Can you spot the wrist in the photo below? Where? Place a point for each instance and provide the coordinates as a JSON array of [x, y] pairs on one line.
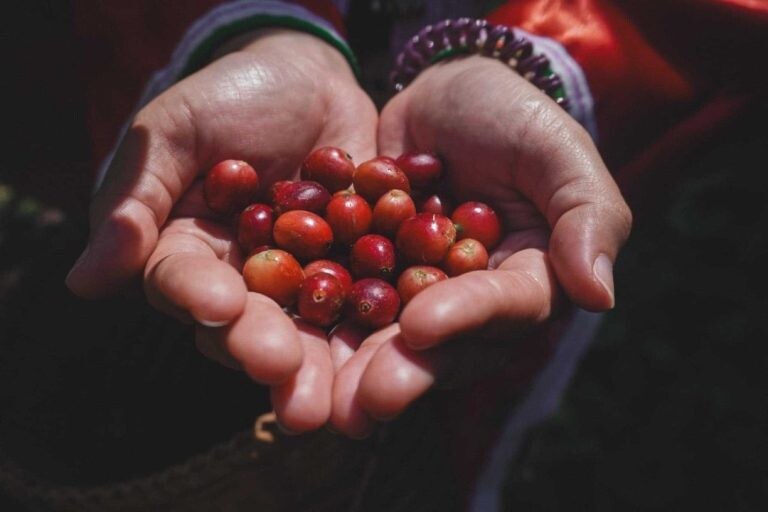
[[289, 44]]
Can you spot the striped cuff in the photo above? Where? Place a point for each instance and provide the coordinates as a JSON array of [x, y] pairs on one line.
[[221, 24], [581, 103]]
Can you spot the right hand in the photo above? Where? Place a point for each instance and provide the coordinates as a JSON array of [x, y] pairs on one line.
[[279, 95]]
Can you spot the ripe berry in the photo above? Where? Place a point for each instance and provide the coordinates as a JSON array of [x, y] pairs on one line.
[[229, 186], [373, 303], [376, 177], [465, 256], [349, 215], [330, 267], [274, 273], [425, 238], [329, 166], [321, 299], [254, 227], [415, 279], [436, 203], [372, 256], [304, 234], [422, 169], [477, 220], [299, 195], [391, 209]]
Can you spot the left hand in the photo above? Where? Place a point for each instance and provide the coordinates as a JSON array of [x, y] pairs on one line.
[[506, 144]]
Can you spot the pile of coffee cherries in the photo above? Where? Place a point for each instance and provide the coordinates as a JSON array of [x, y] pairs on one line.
[[355, 229]]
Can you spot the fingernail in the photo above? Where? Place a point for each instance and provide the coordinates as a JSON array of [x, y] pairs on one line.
[[212, 323], [77, 266], [603, 270]]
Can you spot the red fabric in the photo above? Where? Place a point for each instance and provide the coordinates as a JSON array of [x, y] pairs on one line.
[[651, 64]]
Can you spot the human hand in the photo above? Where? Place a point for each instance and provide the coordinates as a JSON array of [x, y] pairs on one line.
[[281, 94], [509, 145]]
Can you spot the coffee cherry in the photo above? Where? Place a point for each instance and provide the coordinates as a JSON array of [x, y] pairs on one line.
[[415, 279], [376, 177], [373, 303], [349, 216], [425, 238], [330, 267], [422, 169], [436, 203], [299, 195], [477, 220], [260, 248], [329, 166], [321, 299], [304, 234], [391, 209], [274, 273], [465, 256], [387, 159], [372, 256], [254, 227], [229, 186]]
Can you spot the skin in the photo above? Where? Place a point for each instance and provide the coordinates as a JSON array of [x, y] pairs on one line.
[[506, 143], [509, 145]]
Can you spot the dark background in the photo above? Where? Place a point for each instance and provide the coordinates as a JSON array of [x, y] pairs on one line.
[[667, 412]]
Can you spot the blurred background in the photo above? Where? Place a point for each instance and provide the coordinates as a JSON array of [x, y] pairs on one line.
[[669, 410]]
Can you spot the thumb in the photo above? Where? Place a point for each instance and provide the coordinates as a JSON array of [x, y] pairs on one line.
[[151, 168], [352, 127], [393, 135], [589, 218]]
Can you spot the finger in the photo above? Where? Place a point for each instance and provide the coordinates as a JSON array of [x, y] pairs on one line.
[[208, 342], [519, 293], [394, 377], [393, 135], [153, 165], [303, 403], [347, 415], [447, 366], [263, 341], [589, 218], [190, 272], [344, 340]]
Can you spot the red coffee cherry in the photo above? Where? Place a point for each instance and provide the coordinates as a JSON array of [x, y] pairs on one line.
[[349, 216], [413, 280], [274, 273], [477, 220], [300, 195], [391, 209], [329, 166], [436, 203], [330, 267], [304, 234], [465, 256], [372, 256], [373, 303], [425, 238], [321, 299], [422, 169], [229, 186], [254, 227], [376, 177]]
